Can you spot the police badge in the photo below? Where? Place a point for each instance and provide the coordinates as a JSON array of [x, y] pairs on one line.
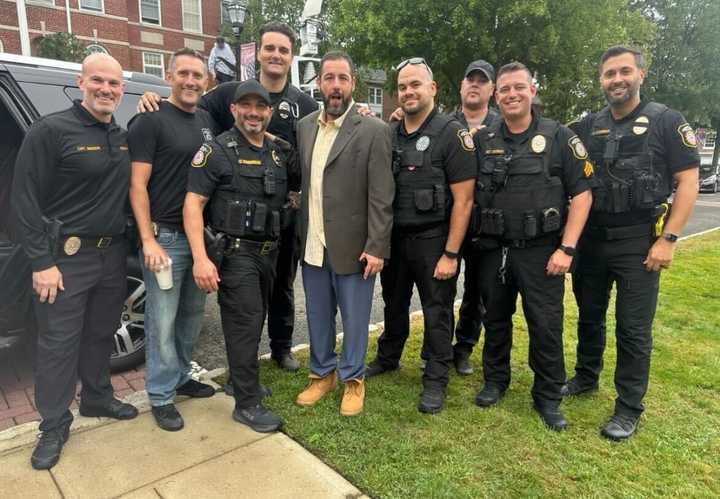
[[538, 143], [72, 245], [422, 143], [284, 109]]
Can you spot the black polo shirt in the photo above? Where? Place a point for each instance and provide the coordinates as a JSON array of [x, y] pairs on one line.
[[491, 117], [74, 168]]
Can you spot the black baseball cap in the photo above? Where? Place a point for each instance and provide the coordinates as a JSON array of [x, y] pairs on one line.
[[251, 87], [481, 65]]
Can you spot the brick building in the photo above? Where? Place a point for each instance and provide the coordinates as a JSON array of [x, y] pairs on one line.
[[141, 34]]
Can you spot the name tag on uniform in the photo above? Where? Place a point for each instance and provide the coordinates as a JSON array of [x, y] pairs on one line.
[[253, 162], [89, 148]]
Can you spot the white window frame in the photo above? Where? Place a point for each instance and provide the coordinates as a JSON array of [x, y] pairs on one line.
[[48, 3], [2, 47], [372, 97], [162, 63], [199, 14], [140, 16], [87, 9]]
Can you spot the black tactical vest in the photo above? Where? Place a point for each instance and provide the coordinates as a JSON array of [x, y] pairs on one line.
[[250, 206], [516, 197], [625, 180], [422, 193]]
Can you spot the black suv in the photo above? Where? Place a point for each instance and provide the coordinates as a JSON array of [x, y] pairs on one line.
[[29, 88]]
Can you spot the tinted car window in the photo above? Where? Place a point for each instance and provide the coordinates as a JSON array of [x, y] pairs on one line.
[[46, 98]]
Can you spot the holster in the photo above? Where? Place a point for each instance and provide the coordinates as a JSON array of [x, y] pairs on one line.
[[215, 243], [53, 229]]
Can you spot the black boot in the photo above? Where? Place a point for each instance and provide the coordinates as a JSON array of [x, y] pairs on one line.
[[551, 415], [620, 427], [431, 400], [258, 417], [576, 387], [113, 409], [376, 368], [49, 446], [462, 363], [168, 418], [489, 395], [286, 361]]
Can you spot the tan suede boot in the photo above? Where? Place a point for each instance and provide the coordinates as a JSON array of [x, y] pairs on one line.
[[317, 389], [353, 398]]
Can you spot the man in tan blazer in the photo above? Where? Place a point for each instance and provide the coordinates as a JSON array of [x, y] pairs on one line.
[[345, 225]]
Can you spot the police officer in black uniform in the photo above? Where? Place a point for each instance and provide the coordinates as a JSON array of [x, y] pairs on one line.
[[244, 177], [639, 149], [435, 167], [69, 192], [290, 104], [476, 89], [528, 169]]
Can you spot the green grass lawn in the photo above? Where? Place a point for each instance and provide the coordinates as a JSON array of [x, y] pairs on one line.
[[392, 450]]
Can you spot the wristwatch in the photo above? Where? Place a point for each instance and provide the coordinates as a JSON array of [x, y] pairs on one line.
[[450, 254], [669, 236], [568, 250]]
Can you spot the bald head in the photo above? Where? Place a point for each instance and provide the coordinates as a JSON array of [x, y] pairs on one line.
[[101, 82], [104, 61]]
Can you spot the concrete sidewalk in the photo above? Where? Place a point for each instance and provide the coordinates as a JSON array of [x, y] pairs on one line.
[[213, 456]]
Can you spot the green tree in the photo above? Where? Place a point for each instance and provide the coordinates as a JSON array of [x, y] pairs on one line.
[[61, 46], [261, 11], [685, 69], [559, 40]]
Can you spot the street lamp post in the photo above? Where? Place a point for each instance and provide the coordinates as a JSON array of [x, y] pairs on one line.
[[237, 9]]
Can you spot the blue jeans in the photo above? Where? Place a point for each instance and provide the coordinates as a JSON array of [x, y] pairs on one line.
[[173, 319], [325, 291]]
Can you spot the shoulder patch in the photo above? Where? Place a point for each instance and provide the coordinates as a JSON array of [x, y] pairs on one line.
[[201, 157], [276, 158], [687, 135], [466, 140], [577, 148]]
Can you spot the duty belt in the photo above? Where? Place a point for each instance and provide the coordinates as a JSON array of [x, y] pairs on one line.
[[156, 226], [263, 247], [72, 244], [547, 240], [618, 233]]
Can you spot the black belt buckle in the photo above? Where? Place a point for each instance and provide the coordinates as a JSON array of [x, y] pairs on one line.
[[266, 248], [104, 242]]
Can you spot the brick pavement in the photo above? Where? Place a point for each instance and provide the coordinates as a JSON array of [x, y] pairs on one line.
[[17, 393]]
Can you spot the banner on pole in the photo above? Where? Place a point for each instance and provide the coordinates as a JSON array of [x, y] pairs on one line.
[[247, 61]]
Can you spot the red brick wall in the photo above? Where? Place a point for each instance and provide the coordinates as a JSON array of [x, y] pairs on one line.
[[111, 30]]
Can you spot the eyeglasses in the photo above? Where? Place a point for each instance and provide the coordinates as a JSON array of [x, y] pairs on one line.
[[413, 61]]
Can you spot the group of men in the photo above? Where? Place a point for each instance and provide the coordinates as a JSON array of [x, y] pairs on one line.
[[231, 188]]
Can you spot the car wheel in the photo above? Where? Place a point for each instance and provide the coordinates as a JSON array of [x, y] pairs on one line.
[[129, 346]]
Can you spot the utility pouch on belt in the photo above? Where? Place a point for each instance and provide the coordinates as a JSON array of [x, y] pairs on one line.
[[269, 182], [214, 245], [551, 221], [530, 224], [661, 213], [237, 217], [259, 217], [53, 229], [492, 221]]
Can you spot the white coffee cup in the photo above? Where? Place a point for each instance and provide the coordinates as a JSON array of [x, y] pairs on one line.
[[164, 276]]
